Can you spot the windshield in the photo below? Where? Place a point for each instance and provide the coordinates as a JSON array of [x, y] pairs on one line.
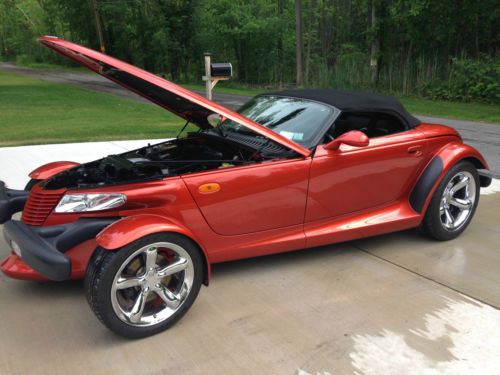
[[299, 120]]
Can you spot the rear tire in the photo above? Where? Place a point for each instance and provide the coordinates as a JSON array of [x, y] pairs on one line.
[[146, 286], [453, 204]]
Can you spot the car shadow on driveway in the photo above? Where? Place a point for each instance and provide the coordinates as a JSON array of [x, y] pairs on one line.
[[323, 309]]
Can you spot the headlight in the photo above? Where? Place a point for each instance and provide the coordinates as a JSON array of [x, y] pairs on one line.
[[90, 202]]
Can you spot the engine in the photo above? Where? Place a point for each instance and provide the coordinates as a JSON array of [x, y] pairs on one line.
[[195, 153]]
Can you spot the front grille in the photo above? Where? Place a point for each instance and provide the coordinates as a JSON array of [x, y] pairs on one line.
[[39, 205]]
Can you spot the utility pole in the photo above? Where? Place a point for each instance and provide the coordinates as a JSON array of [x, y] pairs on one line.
[[98, 26]]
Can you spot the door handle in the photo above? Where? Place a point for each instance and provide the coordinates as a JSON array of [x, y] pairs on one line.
[[415, 150]]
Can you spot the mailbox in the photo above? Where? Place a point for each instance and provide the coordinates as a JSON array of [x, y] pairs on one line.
[[221, 70], [214, 73]]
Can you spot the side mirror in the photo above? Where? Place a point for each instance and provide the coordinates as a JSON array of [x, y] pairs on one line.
[[353, 138]]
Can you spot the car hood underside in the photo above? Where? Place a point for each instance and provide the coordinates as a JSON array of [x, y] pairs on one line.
[[178, 100]]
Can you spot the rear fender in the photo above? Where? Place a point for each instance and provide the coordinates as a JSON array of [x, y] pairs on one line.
[[132, 228], [446, 158]]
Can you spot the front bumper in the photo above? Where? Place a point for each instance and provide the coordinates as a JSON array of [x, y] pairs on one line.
[[43, 248], [11, 201], [485, 177]]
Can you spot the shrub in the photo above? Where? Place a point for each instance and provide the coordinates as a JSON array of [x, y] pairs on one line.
[[24, 60], [469, 80]]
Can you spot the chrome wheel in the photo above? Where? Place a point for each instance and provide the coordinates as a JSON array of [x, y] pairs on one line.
[[457, 201], [152, 284]]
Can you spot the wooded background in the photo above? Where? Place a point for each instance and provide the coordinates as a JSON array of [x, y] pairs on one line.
[[442, 49]]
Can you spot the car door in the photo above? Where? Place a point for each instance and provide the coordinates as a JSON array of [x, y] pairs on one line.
[[353, 179], [253, 198]]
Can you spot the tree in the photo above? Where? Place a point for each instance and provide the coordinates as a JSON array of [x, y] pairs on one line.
[[375, 45], [299, 44], [98, 26], [281, 12], [400, 46]]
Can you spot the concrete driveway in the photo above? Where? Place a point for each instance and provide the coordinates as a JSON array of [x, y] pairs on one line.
[[397, 303]]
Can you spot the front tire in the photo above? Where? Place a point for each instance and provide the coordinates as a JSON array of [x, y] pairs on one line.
[[453, 204], [146, 286]]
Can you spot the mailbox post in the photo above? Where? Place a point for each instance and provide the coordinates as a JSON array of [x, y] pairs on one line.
[[215, 72]]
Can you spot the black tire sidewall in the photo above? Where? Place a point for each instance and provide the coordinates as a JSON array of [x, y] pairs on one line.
[[101, 277], [432, 222]]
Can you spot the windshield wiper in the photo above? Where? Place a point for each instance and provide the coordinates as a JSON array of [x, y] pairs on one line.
[[221, 130]]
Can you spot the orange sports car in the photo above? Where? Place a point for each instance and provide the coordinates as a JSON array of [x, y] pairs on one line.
[[289, 170]]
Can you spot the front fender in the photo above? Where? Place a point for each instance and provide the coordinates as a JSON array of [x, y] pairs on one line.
[[131, 228], [454, 152], [48, 170], [435, 170]]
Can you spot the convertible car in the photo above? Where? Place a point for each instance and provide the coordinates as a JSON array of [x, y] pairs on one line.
[[289, 170]]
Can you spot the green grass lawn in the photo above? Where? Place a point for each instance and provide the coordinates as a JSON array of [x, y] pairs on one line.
[[37, 112], [461, 111]]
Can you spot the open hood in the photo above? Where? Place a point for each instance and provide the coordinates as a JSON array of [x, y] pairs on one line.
[[184, 103]]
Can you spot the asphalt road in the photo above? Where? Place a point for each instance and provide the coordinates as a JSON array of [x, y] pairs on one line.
[[485, 137]]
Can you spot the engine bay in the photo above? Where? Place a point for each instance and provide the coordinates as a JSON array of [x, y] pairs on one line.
[[197, 152]]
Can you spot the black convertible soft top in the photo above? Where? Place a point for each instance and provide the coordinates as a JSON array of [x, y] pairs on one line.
[[353, 101]]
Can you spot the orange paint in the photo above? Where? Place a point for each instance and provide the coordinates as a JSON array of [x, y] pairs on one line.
[[211, 187]]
